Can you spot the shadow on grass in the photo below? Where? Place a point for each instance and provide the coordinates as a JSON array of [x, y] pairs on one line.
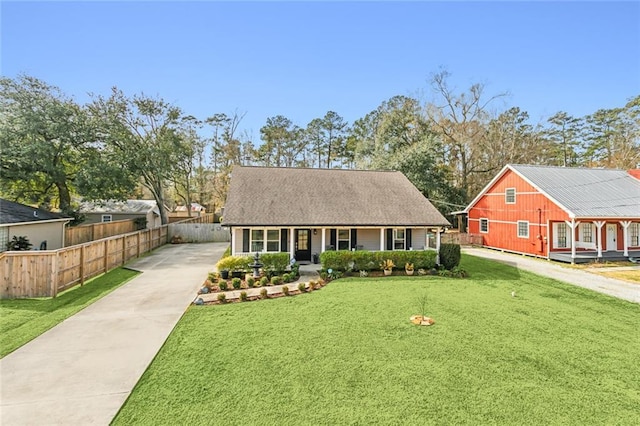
[[484, 269]]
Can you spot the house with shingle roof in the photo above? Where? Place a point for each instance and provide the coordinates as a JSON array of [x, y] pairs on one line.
[[113, 210], [307, 211], [567, 214], [43, 229]]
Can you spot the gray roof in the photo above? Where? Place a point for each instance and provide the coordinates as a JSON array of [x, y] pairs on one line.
[[13, 213], [587, 193], [120, 207], [270, 196]]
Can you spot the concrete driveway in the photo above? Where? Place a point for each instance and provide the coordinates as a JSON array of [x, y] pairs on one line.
[[612, 287], [82, 371]]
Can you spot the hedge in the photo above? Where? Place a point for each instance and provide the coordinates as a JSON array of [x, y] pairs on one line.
[[363, 260], [274, 262], [449, 255]]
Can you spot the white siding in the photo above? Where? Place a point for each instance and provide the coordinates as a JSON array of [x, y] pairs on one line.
[[369, 239], [418, 238]]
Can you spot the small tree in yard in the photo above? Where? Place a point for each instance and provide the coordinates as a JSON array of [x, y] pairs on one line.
[[19, 244], [449, 255]]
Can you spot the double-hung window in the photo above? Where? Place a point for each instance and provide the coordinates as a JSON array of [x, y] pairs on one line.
[[273, 240], [399, 239], [510, 196], [587, 233], [634, 234], [257, 240], [344, 239], [561, 235], [265, 238], [484, 226], [523, 229], [106, 218]]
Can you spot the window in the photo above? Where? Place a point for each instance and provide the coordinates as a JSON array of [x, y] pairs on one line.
[[398, 239], [587, 233], [484, 226], [561, 235], [4, 238], [510, 196], [257, 239], [106, 218], [634, 231], [523, 229], [344, 239], [273, 240]]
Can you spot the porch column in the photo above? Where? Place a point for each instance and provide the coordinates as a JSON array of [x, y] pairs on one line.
[[231, 241], [573, 225], [324, 240], [381, 239], [625, 229], [438, 246], [599, 224], [292, 243]]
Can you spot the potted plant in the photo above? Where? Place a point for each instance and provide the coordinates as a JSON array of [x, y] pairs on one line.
[[408, 268], [387, 266]]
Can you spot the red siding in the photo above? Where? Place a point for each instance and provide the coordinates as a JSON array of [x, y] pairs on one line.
[[530, 205]]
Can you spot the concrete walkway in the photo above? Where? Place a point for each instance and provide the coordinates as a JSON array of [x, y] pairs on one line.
[[82, 371], [612, 287]]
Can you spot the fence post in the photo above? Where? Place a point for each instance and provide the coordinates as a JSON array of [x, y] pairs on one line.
[[124, 245], [106, 255], [138, 243], [54, 275], [82, 255]]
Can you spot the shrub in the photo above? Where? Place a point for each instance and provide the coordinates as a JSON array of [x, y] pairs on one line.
[[302, 287], [243, 296], [263, 293], [458, 272], [223, 285], [234, 263], [449, 255], [275, 263], [312, 285], [285, 290], [287, 278], [264, 281], [213, 276], [364, 260], [222, 297], [276, 280], [236, 283], [227, 252], [251, 281], [244, 285], [19, 244]]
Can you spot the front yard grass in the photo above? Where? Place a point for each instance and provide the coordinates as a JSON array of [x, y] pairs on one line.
[[22, 320], [347, 354], [630, 276]]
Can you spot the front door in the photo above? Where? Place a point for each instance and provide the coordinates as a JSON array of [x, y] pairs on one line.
[[611, 237], [303, 244]]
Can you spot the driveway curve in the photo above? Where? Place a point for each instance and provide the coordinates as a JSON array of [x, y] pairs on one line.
[[610, 286], [82, 371]]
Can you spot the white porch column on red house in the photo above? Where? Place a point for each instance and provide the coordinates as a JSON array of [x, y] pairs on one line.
[[573, 225], [324, 240], [292, 243], [233, 241], [599, 224], [625, 228], [381, 239]]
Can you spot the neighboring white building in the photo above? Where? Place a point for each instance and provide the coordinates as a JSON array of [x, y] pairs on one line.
[[43, 229], [110, 211]]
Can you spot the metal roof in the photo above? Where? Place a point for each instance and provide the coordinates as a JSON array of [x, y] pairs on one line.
[[119, 207], [586, 193]]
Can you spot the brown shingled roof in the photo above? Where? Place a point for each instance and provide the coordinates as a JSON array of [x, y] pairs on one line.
[[270, 196]]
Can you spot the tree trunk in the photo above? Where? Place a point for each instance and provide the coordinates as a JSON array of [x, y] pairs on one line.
[[64, 196]]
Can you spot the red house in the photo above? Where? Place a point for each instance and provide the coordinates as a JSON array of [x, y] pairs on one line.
[[567, 214]]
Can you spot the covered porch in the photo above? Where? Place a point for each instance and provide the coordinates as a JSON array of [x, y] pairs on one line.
[[591, 256], [305, 244]]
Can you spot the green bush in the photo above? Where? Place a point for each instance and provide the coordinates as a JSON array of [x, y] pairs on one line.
[[236, 283], [263, 293], [222, 297], [449, 255], [243, 296], [227, 252], [302, 287], [287, 278], [275, 263], [264, 281], [223, 285], [363, 260], [276, 280], [285, 290], [234, 263], [251, 281]]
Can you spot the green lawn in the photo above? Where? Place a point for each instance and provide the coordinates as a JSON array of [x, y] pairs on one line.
[[22, 320], [347, 354]]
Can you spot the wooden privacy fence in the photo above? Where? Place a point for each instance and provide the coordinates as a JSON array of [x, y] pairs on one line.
[[97, 231], [462, 238], [46, 273]]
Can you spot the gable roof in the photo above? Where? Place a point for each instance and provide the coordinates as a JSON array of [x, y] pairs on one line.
[[272, 196], [15, 213], [581, 192], [120, 207]]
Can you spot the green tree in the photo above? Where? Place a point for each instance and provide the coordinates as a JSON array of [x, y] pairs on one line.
[[145, 135], [564, 133], [282, 143]]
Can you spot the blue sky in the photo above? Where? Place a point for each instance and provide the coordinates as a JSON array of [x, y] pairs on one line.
[[301, 59]]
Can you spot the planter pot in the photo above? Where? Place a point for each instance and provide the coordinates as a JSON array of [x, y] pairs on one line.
[[409, 272], [224, 274], [237, 274], [387, 271]]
